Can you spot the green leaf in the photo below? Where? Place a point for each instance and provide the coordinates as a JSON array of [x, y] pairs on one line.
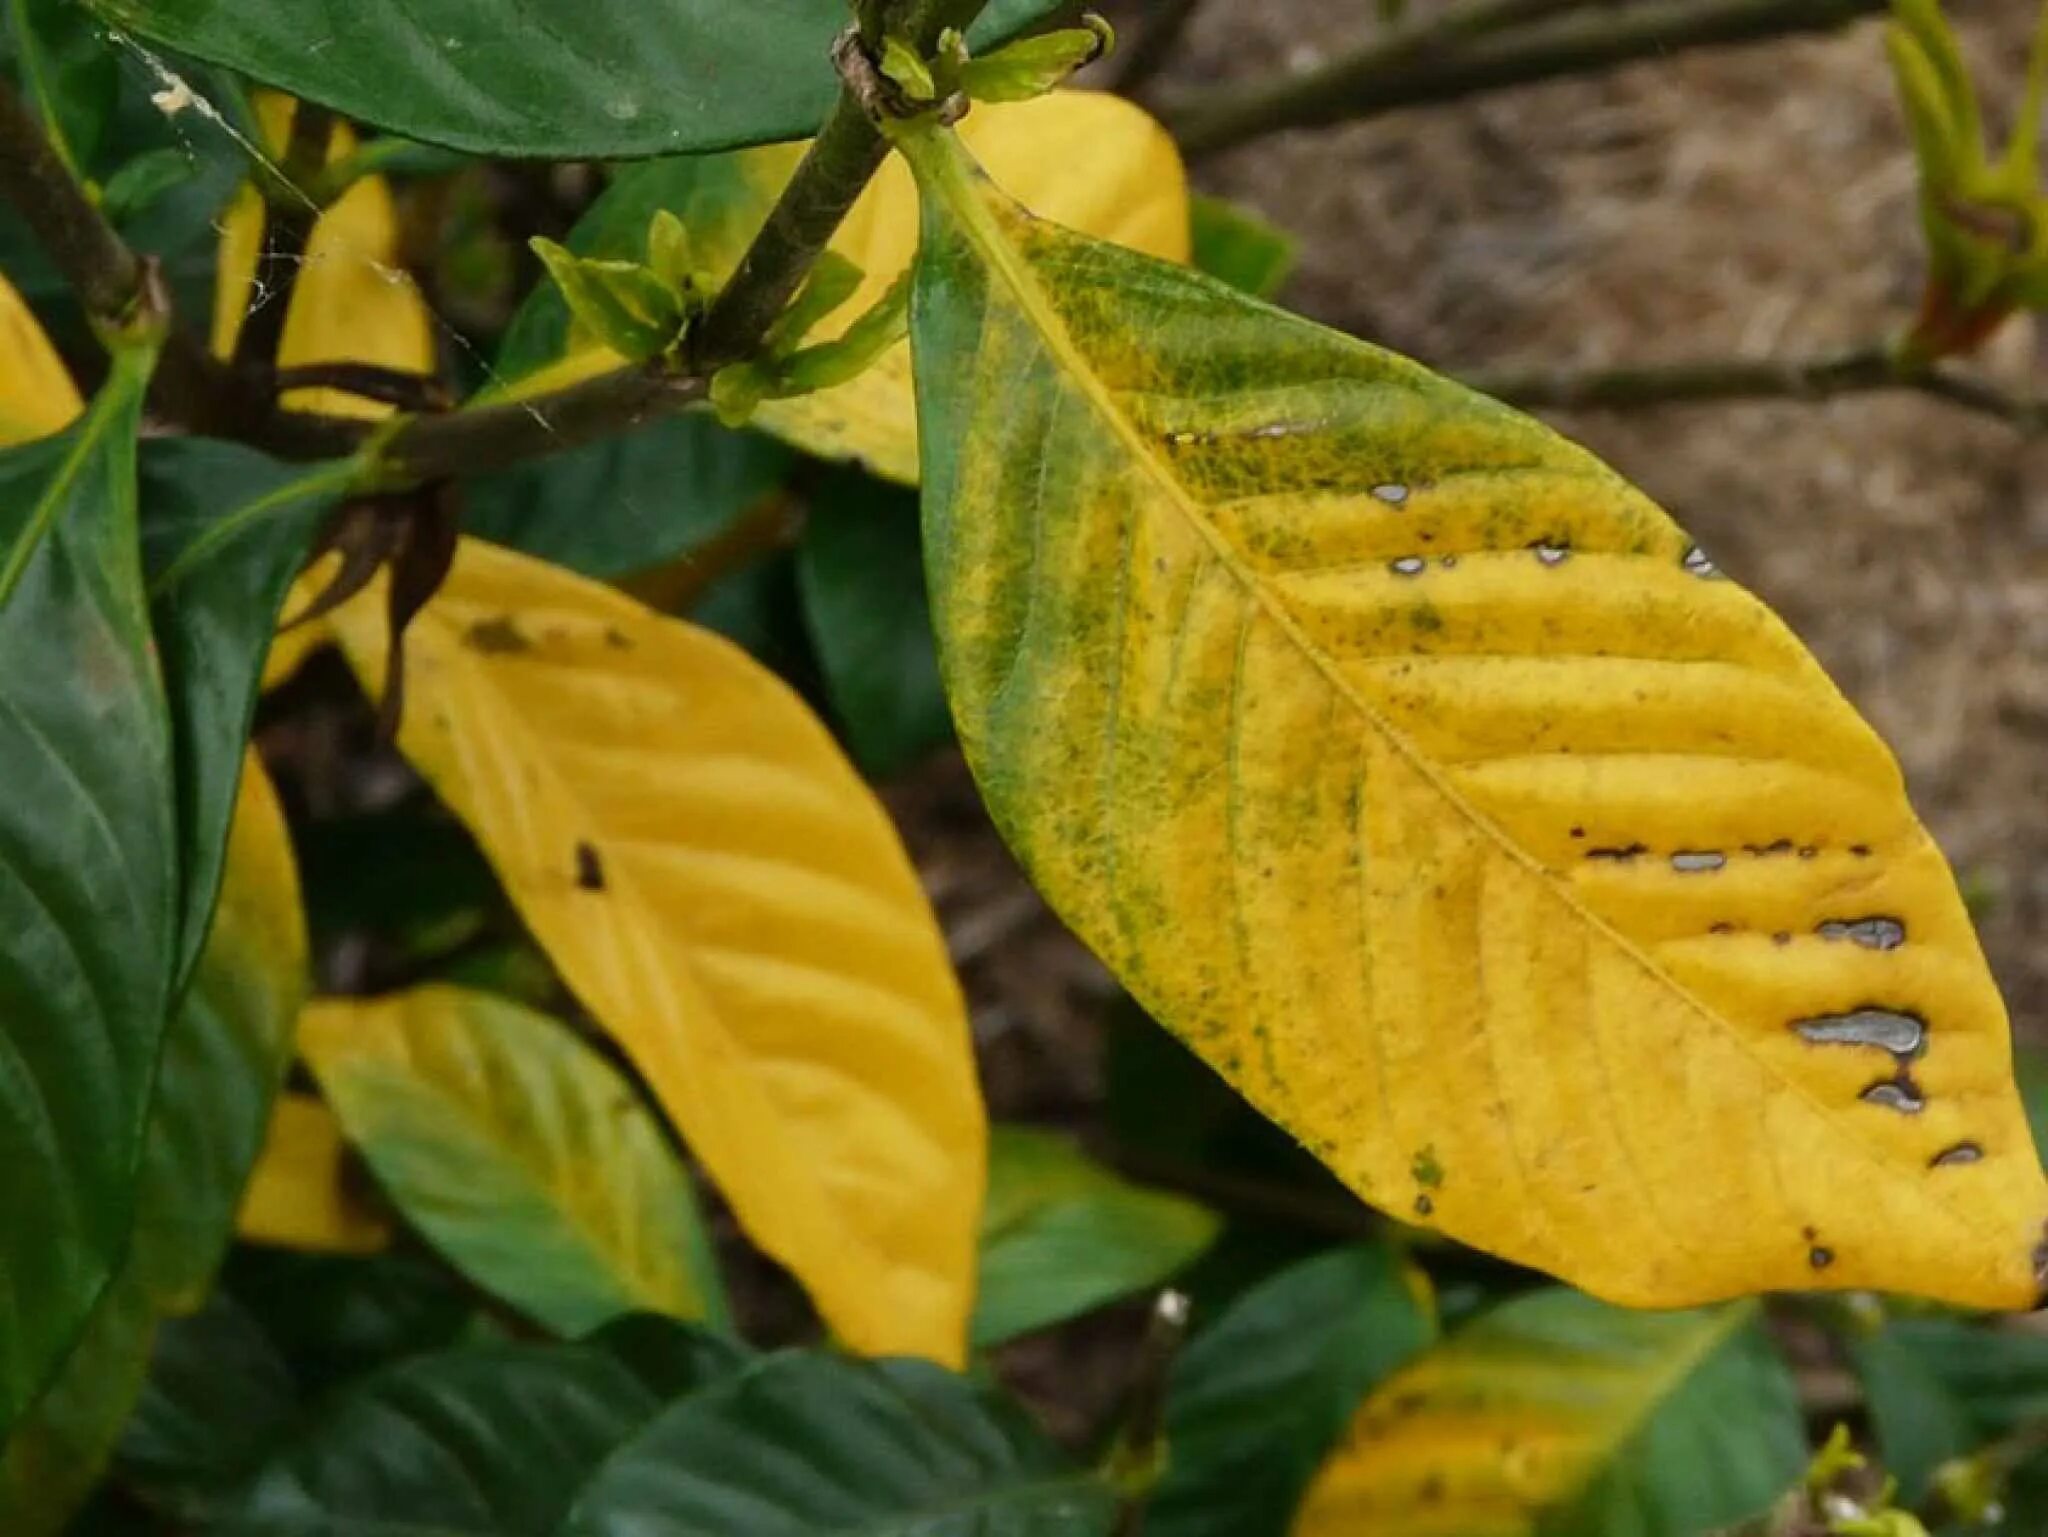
[[618, 80], [809, 1445], [336, 1317], [1260, 1396], [218, 1399], [70, 73], [860, 570], [1555, 1413], [670, 1358], [224, 531], [636, 501], [1061, 1236], [1238, 246], [88, 876], [1943, 1387], [223, 1058], [489, 1440], [519, 1152]]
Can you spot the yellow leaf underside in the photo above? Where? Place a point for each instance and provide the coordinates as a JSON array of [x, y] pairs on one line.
[[351, 301], [1411, 827], [1133, 192], [301, 1195], [37, 396], [728, 899]]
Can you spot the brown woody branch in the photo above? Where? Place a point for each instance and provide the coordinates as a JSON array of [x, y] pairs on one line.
[[1483, 46]]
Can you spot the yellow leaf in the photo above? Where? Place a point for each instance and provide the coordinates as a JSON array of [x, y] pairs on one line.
[[1420, 773], [1558, 1414], [302, 1193], [351, 302], [518, 1151], [731, 903], [1086, 159], [37, 396]]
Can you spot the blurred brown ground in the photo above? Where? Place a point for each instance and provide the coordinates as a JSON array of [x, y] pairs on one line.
[[1749, 202]]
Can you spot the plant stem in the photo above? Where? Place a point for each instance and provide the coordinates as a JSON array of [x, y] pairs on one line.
[[190, 386], [1873, 367], [1470, 51], [288, 219], [1138, 1459], [1138, 63]]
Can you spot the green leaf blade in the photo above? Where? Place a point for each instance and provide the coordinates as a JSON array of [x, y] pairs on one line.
[[623, 79], [519, 1152], [88, 878]]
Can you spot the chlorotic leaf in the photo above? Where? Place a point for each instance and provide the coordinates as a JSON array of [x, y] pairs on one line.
[[620, 80], [1089, 160], [88, 876], [223, 1057], [731, 903], [1422, 775], [808, 1444], [1061, 1236], [351, 303], [37, 396], [1262, 1393], [303, 1194], [519, 1152], [1555, 1413], [525, 1424]]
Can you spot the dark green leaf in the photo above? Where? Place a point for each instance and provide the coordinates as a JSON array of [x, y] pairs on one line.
[[217, 1400], [805, 1445], [222, 1060], [494, 1440], [860, 568], [336, 1317], [224, 531], [1236, 245], [610, 80], [1941, 1388], [69, 72], [634, 501], [669, 1357], [88, 877], [1261, 1395], [1061, 1236]]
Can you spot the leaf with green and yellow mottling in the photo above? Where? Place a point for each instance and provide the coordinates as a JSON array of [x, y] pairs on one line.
[[303, 1192], [731, 903], [519, 1152], [1421, 774], [1088, 159], [1557, 1414]]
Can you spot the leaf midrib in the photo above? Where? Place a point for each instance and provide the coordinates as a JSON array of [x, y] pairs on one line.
[[945, 171]]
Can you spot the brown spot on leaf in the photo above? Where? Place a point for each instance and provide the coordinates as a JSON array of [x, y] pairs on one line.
[[589, 868], [1820, 1256], [497, 637]]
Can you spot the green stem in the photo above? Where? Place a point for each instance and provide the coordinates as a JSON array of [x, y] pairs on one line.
[[1470, 51]]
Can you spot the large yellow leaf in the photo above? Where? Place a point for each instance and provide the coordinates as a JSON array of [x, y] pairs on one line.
[[351, 301], [1088, 159], [729, 900], [37, 396], [302, 1193], [1420, 773], [1558, 1414]]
